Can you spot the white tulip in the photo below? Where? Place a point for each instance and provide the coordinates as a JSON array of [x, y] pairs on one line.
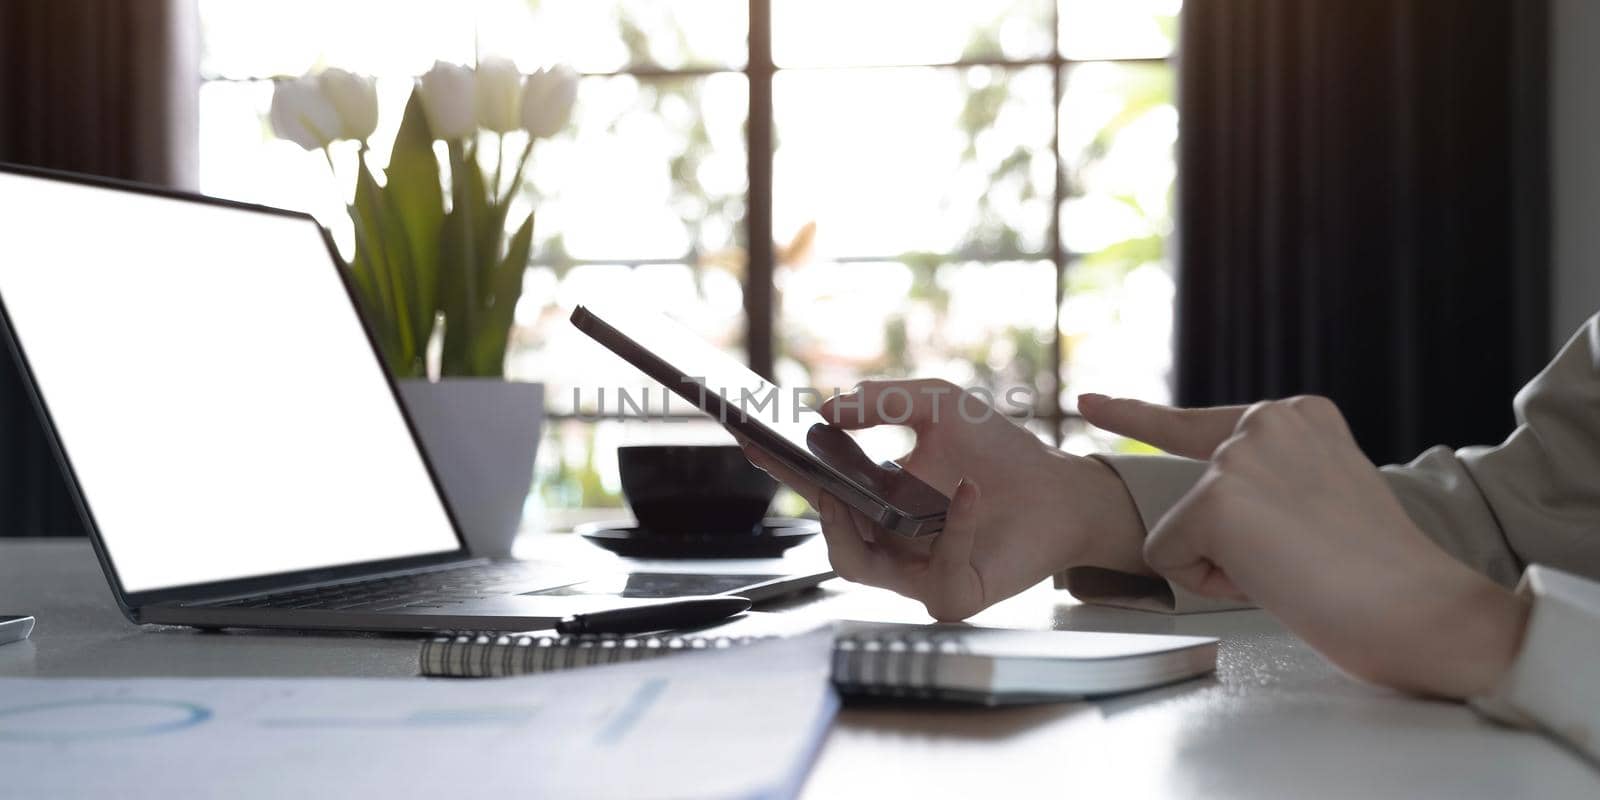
[[499, 94], [447, 93], [355, 97], [302, 114], [547, 97]]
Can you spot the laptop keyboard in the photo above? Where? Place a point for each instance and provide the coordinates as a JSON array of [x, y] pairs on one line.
[[433, 589]]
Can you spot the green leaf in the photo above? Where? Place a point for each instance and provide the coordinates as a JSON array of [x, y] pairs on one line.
[[371, 249], [1128, 254], [491, 235], [494, 334], [413, 195], [413, 321], [459, 256], [453, 298], [486, 225], [469, 249], [360, 270]]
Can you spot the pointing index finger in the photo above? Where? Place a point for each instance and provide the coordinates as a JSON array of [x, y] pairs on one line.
[[1188, 432]]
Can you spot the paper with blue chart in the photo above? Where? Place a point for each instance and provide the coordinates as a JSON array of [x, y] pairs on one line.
[[744, 722]]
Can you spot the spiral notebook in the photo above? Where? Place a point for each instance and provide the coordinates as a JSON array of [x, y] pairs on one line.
[[990, 666]]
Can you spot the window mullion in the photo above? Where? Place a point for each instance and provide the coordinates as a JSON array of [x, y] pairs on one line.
[[758, 294], [1058, 254]]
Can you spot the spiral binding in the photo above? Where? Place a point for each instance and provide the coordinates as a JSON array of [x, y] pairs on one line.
[[898, 664]]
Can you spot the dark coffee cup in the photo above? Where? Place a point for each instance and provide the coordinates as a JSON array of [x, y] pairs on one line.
[[694, 489]]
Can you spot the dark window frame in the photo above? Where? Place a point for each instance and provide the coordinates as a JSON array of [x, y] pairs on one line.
[[760, 70]]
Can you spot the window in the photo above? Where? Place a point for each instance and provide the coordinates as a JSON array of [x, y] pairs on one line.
[[978, 191]]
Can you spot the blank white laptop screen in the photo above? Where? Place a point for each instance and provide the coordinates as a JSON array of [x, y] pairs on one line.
[[211, 385]]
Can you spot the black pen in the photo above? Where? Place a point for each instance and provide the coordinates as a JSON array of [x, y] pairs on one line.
[[685, 612]]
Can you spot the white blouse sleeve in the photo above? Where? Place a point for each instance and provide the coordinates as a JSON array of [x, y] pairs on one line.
[[1553, 685]]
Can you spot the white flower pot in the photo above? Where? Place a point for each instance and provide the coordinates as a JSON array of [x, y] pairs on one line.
[[482, 435]]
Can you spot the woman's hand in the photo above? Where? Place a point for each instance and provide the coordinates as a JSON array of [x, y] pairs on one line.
[[1020, 510], [1291, 515]]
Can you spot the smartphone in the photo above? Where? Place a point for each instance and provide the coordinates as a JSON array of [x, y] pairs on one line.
[[769, 417], [15, 628]]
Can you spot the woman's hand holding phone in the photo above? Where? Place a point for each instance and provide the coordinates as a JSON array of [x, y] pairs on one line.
[[1020, 510]]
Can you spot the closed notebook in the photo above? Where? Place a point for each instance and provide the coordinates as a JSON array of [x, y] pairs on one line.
[[952, 662]]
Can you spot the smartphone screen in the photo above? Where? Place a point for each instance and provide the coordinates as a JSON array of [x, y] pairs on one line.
[[762, 412]]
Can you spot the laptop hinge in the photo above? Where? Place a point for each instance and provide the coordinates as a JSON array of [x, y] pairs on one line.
[[349, 579]]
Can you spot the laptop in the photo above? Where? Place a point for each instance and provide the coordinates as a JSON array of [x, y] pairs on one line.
[[232, 441]]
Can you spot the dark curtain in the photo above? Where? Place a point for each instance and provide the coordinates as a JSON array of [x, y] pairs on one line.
[[1362, 211], [98, 86]]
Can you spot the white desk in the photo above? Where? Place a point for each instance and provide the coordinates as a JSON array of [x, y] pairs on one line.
[[1276, 721]]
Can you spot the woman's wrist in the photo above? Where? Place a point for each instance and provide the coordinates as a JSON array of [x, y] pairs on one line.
[[1102, 517], [1491, 625], [1456, 636]]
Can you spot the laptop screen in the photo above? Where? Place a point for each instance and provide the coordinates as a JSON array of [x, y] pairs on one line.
[[212, 386]]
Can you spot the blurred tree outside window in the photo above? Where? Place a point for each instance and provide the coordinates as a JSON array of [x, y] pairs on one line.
[[973, 190]]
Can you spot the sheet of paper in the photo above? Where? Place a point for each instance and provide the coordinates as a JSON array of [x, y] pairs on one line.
[[744, 722]]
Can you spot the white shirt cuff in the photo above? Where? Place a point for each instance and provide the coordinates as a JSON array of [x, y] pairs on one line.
[[1552, 684]]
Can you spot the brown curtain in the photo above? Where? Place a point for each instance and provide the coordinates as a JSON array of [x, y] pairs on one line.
[[107, 87], [1362, 211]]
